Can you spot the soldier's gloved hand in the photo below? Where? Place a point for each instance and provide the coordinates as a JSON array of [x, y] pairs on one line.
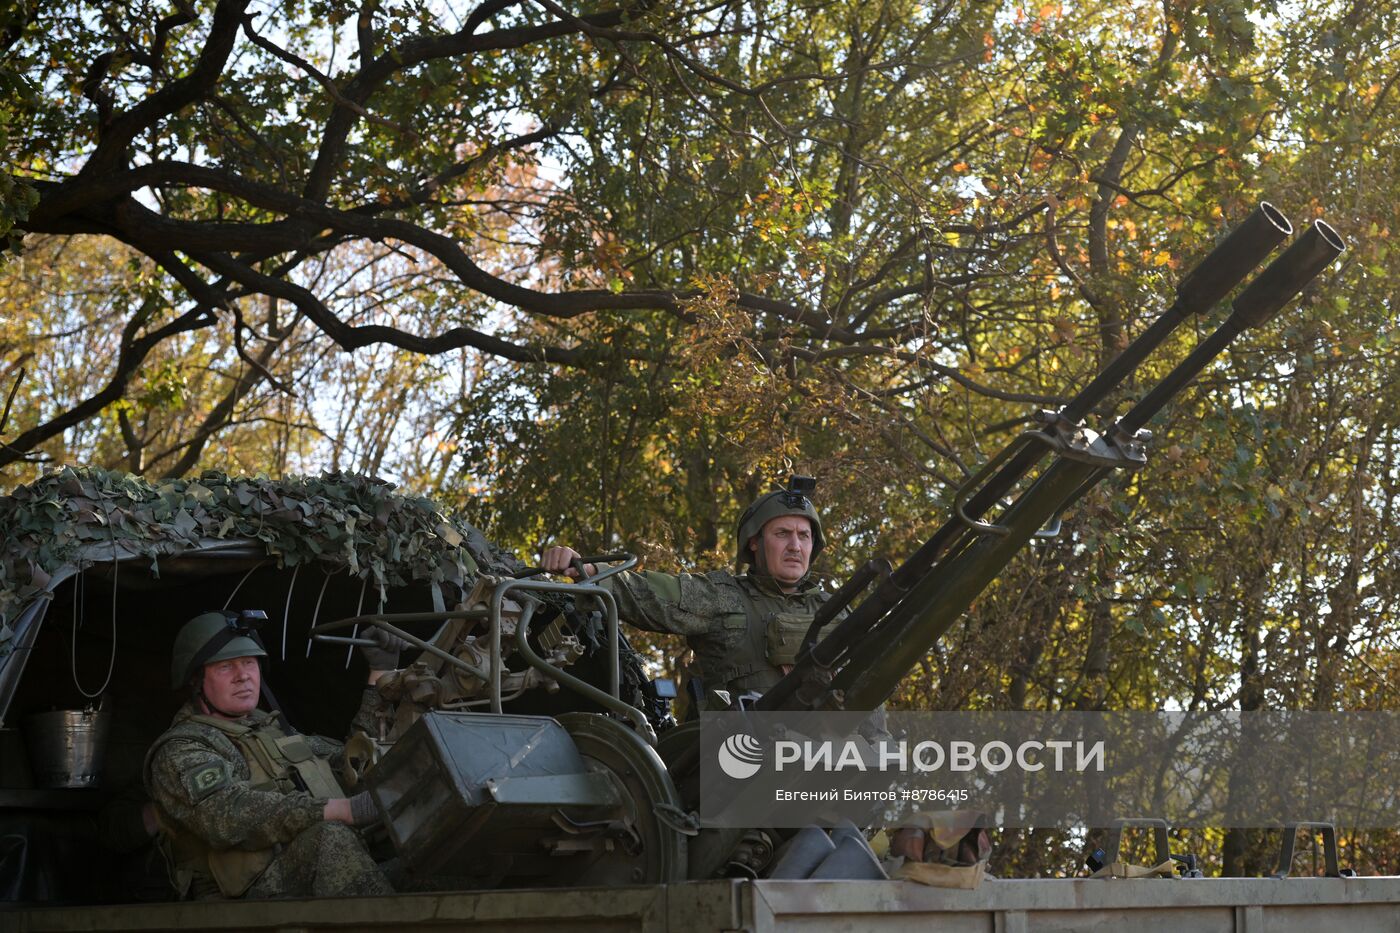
[[363, 810], [384, 654]]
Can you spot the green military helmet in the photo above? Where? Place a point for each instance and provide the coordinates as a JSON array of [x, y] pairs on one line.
[[209, 637], [790, 501]]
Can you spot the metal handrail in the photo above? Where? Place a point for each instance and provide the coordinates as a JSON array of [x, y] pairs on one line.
[[587, 587]]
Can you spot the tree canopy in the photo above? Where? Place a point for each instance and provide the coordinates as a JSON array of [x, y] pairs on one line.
[[600, 272]]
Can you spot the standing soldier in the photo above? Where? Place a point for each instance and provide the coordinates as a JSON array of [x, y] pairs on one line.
[[745, 629], [247, 809]]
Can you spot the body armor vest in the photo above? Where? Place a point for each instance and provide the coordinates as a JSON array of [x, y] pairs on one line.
[[277, 762], [754, 645]]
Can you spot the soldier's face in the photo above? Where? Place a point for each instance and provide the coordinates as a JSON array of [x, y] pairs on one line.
[[786, 548], [231, 687]]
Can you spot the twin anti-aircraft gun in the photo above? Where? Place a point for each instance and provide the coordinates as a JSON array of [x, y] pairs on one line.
[[481, 782]]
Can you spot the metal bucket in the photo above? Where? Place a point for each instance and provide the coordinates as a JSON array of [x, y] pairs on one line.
[[67, 748]]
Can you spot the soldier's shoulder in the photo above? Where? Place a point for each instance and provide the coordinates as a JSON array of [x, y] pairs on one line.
[[186, 734], [721, 578]]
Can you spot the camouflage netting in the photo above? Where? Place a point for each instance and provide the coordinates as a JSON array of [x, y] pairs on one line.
[[344, 522]]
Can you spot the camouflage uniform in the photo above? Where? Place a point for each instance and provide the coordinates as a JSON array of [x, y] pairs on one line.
[[212, 814], [741, 628]]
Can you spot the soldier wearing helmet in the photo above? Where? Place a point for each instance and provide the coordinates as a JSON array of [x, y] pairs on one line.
[[248, 807], [744, 628]]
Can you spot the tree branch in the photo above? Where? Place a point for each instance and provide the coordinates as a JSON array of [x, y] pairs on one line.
[[111, 149], [132, 350]]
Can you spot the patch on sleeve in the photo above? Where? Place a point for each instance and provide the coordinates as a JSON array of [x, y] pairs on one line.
[[206, 779]]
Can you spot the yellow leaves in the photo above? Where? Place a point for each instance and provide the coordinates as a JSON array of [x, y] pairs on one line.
[[960, 167], [1162, 258]]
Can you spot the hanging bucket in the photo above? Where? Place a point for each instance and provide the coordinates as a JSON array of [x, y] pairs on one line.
[[67, 748]]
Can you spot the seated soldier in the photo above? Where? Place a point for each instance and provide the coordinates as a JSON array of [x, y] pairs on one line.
[[245, 808]]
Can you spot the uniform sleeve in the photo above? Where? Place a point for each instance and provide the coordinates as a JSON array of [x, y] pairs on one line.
[[201, 789], [329, 749], [366, 718], [680, 604]]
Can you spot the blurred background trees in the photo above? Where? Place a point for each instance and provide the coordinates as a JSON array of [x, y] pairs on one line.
[[600, 274]]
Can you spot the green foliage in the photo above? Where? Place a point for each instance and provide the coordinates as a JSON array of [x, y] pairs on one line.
[[18, 96]]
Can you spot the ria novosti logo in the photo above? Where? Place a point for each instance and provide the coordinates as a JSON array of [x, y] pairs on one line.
[[740, 756]]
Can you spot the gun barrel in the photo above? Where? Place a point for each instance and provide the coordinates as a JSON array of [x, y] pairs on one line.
[[876, 667], [1211, 280], [1286, 276], [1258, 303], [1245, 247], [940, 596]]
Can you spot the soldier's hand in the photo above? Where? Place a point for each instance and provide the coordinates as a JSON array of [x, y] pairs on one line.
[[337, 810], [384, 654], [560, 559], [359, 810]]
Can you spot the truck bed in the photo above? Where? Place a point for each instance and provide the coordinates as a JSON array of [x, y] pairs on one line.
[[1241, 905]]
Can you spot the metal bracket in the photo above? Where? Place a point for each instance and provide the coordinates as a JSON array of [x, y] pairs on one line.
[[1065, 438], [1159, 837], [1073, 441], [1133, 446], [1329, 850]]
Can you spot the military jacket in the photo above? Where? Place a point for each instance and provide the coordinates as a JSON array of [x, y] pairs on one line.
[[742, 628], [229, 793]]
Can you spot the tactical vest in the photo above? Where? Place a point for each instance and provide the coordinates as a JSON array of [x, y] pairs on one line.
[[276, 762], [747, 653]]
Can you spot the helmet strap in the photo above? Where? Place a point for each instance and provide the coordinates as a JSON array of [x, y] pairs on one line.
[[757, 558]]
